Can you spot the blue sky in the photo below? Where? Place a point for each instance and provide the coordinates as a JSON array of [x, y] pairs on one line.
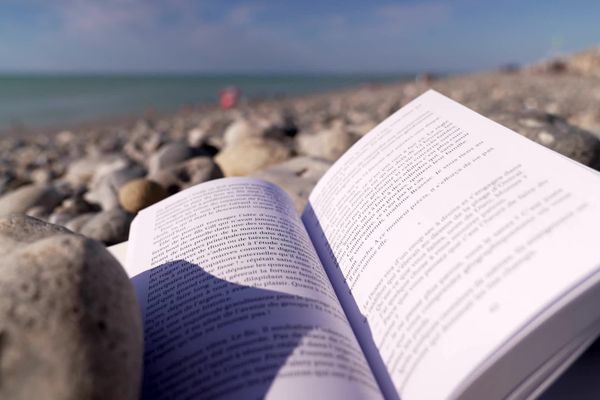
[[288, 36]]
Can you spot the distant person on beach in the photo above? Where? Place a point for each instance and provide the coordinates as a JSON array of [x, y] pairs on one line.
[[228, 97]]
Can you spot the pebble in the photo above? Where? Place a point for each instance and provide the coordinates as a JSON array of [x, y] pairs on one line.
[[38, 212], [197, 137], [41, 176], [555, 133], [297, 176], [250, 155], [26, 197], [187, 173], [169, 155], [275, 126], [83, 171], [327, 144], [104, 191], [139, 194], [240, 130], [10, 180], [110, 226], [69, 209], [79, 221], [143, 142]]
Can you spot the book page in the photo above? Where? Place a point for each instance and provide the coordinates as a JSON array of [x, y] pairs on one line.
[[447, 234], [235, 301]]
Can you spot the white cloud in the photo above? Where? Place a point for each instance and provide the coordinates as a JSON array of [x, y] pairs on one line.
[[179, 35], [243, 14], [413, 15], [103, 16]]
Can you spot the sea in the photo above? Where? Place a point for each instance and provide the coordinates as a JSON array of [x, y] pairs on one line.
[[29, 101]]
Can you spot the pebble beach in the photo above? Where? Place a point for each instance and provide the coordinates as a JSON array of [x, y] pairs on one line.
[[71, 326], [93, 180]]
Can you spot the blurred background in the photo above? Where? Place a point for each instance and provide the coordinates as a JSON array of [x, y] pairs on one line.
[[68, 61], [107, 106]]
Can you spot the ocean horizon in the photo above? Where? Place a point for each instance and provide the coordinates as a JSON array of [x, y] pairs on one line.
[[30, 101]]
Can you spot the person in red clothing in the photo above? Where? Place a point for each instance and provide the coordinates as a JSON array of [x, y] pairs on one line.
[[229, 97]]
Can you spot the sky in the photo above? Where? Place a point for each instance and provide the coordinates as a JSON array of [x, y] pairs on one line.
[[349, 36]]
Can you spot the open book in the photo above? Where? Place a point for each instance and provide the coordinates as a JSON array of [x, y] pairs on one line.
[[443, 256]]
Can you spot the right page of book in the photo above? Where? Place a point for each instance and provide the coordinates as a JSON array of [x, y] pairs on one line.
[[448, 234]]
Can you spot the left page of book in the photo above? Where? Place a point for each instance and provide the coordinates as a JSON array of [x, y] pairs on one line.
[[235, 301]]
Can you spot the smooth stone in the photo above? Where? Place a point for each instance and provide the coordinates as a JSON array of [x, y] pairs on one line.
[[41, 176], [69, 209], [361, 129], [588, 120], [197, 137], [78, 222], [242, 129], [250, 155], [297, 176], [29, 196], [58, 217], [105, 190], [327, 144], [110, 226], [139, 194], [30, 156], [586, 62], [142, 143], [38, 212], [10, 181], [168, 155], [71, 326], [65, 137], [83, 171], [276, 126], [187, 173]]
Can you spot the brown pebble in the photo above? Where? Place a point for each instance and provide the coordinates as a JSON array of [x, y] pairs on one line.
[[139, 194]]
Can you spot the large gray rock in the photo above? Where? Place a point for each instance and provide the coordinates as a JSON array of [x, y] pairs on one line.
[[186, 174], [26, 197], [110, 226], [297, 177], [250, 155], [70, 325], [555, 133]]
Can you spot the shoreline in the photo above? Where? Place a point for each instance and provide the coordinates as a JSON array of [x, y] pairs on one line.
[[126, 120]]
